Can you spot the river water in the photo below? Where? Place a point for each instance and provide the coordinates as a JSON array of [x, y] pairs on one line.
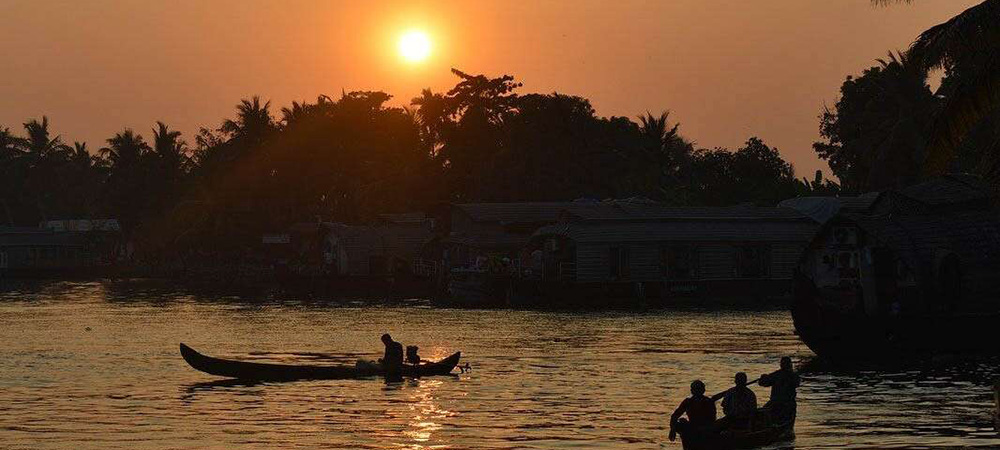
[[96, 366]]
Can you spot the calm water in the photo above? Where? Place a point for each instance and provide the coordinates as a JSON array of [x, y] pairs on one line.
[[540, 380]]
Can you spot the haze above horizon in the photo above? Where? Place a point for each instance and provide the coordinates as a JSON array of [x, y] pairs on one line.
[[726, 70]]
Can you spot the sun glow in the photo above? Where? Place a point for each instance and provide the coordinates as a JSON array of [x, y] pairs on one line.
[[414, 46]]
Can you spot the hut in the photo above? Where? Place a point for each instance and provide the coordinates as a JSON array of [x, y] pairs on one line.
[[634, 250], [916, 271]]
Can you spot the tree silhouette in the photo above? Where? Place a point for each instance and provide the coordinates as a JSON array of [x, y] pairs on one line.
[[967, 48], [354, 157], [876, 133]]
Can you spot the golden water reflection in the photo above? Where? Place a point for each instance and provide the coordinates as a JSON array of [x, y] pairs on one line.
[[541, 380]]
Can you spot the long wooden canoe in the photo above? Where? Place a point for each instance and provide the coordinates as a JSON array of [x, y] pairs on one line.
[[739, 439], [286, 372]]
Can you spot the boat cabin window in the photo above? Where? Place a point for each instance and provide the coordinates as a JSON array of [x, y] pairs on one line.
[[678, 262], [752, 261]]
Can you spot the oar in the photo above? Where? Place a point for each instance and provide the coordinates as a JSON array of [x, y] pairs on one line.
[[716, 397]]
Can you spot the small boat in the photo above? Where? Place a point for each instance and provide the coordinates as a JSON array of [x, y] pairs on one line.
[[739, 439], [286, 372]]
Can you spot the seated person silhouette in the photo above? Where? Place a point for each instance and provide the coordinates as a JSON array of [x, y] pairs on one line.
[[700, 411]]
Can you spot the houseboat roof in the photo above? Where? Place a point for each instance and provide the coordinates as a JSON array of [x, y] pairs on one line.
[[524, 212], [974, 235], [629, 209], [681, 230], [822, 209], [949, 189], [402, 218], [488, 240], [21, 237], [623, 210], [81, 225], [912, 221]]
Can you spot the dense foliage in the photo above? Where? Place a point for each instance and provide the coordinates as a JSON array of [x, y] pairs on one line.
[[890, 129], [351, 158]]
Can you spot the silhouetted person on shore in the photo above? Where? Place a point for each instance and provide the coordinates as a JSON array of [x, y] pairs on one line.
[[700, 412], [783, 384], [739, 404], [392, 361]]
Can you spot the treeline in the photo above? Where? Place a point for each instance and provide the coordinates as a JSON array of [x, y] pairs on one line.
[[890, 128], [351, 158]]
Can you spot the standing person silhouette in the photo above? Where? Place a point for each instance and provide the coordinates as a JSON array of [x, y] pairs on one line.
[[392, 361], [783, 383]]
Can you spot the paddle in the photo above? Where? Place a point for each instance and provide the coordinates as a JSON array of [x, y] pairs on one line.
[[716, 397]]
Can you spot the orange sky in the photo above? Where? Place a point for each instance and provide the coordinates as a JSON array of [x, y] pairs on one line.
[[727, 69]]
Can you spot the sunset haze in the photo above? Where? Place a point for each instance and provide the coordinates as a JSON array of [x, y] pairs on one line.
[[726, 70]]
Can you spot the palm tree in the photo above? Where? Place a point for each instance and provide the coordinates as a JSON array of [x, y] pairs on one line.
[[901, 117], [39, 142], [659, 135], [125, 150], [967, 46], [253, 121], [80, 155], [10, 145], [170, 149], [665, 151]]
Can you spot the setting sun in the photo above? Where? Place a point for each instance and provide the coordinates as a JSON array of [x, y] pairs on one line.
[[414, 46]]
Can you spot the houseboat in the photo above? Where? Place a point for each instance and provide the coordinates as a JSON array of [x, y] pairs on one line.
[[60, 248], [624, 253], [913, 273]]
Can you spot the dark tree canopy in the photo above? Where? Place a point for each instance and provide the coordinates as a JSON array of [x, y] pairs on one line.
[[351, 158]]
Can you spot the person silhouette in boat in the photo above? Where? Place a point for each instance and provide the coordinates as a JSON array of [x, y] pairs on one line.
[[783, 383], [739, 404], [392, 361], [412, 357], [700, 412]]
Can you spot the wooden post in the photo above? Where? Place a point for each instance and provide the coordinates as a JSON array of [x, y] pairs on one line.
[[996, 405]]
